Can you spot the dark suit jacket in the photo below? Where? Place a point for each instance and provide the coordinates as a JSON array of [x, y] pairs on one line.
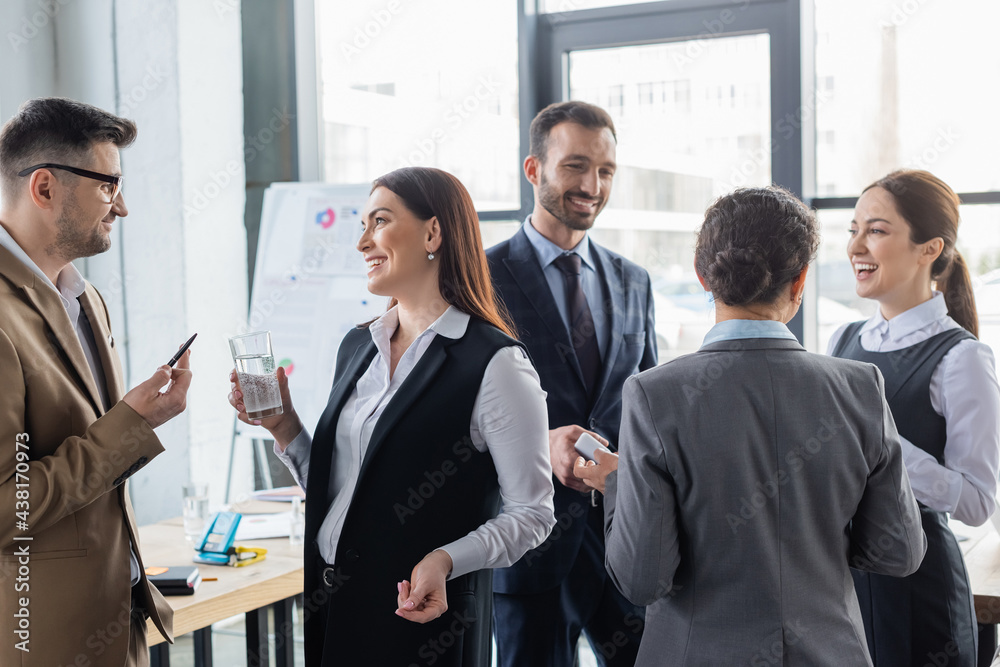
[[79, 513], [752, 473], [628, 307]]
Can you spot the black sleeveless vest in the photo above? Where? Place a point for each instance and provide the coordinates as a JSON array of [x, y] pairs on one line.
[[422, 485], [907, 374]]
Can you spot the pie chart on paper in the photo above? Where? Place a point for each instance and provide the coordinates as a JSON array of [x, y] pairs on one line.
[[325, 219]]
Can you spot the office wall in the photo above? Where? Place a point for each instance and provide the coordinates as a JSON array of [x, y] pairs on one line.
[[178, 261]]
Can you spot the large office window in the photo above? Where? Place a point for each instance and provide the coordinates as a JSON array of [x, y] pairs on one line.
[[706, 97], [430, 84], [900, 85], [689, 129]]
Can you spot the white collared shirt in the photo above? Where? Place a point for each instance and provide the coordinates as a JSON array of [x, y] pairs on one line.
[[509, 418], [964, 391]]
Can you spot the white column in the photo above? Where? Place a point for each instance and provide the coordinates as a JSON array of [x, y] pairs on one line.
[[180, 77], [27, 53], [178, 261]]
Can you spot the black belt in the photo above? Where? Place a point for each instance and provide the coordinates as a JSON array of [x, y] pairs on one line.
[[332, 577]]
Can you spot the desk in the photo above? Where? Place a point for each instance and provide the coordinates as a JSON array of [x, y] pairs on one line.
[[239, 590], [982, 560]]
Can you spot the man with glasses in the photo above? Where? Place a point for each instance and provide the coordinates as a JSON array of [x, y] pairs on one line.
[[73, 587]]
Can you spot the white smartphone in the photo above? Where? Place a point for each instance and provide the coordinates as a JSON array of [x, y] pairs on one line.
[[587, 445]]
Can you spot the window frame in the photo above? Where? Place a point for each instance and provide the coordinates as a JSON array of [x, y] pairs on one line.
[[558, 34], [546, 39]]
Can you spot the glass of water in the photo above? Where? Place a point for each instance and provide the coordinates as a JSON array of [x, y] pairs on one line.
[[195, 510], [257, 374]]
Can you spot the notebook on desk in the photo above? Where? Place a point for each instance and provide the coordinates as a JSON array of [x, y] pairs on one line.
[[179, 580]]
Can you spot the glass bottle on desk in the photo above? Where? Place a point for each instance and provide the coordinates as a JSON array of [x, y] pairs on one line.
[[297, 529]]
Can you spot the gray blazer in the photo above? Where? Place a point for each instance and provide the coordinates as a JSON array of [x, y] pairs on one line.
[[751, 474]]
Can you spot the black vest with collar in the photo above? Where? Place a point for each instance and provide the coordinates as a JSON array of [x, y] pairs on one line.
[[422, 484], [907, 373]]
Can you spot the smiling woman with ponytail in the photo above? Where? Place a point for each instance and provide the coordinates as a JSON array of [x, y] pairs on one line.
[[942, 390]]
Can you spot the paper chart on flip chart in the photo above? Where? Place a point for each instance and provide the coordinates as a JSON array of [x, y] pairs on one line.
[[309, 287]]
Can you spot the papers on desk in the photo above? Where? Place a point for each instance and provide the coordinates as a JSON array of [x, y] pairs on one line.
[[284, 494], [264, 526]]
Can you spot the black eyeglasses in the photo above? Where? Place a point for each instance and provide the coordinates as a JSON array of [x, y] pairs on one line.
[[114, 181]]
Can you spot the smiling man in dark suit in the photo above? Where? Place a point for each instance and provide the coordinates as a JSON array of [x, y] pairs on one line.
[[586, 317]]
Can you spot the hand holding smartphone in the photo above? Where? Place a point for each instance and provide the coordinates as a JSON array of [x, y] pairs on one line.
[[586, 446]]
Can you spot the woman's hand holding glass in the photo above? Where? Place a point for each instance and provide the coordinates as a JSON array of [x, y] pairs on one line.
[[284, 427]]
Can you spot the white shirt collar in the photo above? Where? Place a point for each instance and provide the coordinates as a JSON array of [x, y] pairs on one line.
[[452, 324], [910, 321]]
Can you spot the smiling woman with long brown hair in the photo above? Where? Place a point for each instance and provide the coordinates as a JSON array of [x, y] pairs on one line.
[[942, 389], [436, 414]]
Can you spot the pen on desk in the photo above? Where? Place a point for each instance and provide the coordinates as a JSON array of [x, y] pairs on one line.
[[181, 351]]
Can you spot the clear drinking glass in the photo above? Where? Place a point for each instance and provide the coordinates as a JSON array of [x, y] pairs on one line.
[[195, 510], [257, 374]]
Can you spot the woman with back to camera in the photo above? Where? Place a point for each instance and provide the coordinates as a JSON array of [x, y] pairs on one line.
[[434, 399], [942, 389], [752, 472]]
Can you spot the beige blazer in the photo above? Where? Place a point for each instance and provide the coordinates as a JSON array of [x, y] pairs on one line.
[[73, 581]]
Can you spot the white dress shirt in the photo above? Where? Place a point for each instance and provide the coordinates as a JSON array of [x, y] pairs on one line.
[[964, 391], [509, 418]]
